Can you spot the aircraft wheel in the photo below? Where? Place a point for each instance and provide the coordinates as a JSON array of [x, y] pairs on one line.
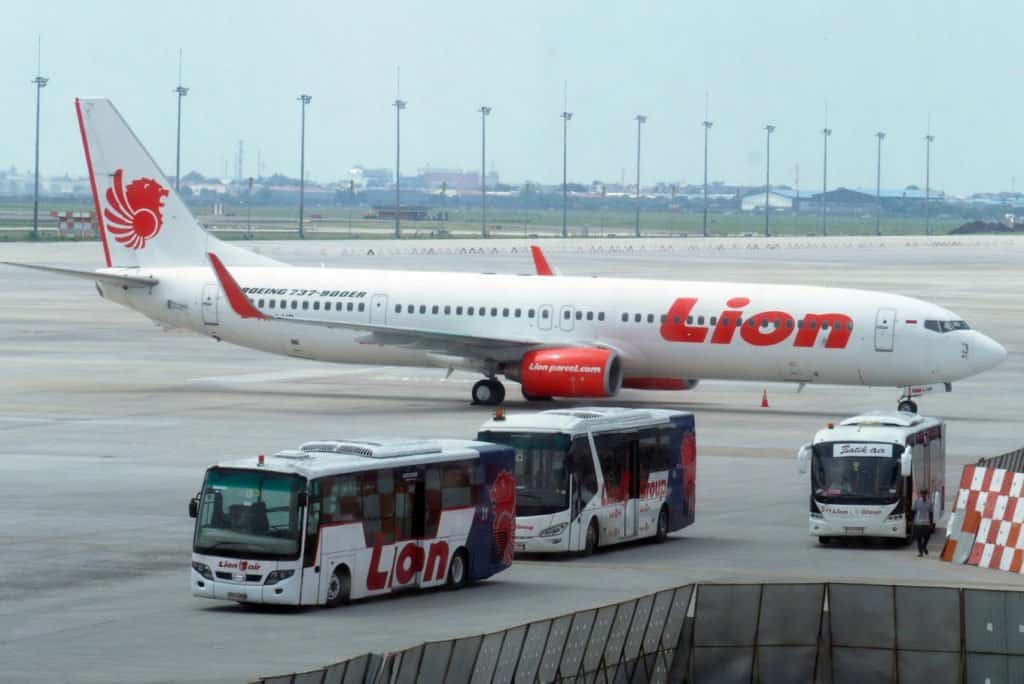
[[907, 405], [488, 392]]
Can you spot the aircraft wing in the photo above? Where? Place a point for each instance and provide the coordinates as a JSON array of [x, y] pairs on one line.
[[108, 278], [439, 341]]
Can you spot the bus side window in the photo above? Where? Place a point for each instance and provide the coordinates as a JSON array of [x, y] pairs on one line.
[[583, 469], [456, 489], [378, 496], [432, 501], [613, 455], [341, 502], [651, 458]]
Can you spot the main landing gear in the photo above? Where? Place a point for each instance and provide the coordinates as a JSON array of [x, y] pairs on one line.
[[488, 392]]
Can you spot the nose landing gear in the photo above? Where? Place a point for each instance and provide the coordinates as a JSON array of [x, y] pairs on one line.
[[488, 392], [906, 404]]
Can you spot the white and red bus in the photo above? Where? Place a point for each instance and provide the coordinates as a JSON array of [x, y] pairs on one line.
[[592, 477], [866, 472], [340, 520]]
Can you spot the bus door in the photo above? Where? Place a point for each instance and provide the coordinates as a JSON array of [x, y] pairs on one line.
[[632, 487], [612, 454], [410, 506], [311, 551]]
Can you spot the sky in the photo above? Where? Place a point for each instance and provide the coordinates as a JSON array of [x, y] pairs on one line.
[[898, 67]]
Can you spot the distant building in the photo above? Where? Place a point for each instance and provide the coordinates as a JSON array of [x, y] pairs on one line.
[[371, 179], [778, 199], [452, 179]]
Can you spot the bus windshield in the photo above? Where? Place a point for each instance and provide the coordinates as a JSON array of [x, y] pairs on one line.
[[855, 478], [249, 514], [542, 470]]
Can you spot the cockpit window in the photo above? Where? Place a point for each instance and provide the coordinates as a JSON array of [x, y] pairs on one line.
[[946, 326]]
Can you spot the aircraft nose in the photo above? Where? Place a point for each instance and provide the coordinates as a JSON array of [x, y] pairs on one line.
[[987, 353]]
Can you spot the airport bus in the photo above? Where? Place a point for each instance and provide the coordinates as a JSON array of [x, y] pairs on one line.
[[866, 472], [339, 520], [592, 477]]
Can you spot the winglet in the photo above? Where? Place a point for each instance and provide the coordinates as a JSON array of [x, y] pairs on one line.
[[540, 262], [239, 302]]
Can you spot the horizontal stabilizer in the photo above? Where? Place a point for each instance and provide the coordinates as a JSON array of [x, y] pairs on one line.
[[98, 276]]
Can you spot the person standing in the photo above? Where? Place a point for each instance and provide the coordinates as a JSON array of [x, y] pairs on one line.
[[922, 522]]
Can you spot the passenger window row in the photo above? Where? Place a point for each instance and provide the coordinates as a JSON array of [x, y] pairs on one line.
[[492, 312], [726, 322], [306, 306]]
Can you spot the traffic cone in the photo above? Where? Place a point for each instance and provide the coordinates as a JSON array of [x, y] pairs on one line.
[[764, 399]]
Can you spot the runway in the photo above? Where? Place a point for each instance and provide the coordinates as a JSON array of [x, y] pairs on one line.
[[107, 423]]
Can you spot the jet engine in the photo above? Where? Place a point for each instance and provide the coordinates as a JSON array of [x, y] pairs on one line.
[[569, 372]]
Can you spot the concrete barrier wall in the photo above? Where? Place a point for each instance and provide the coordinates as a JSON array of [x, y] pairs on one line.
[[712, 633]]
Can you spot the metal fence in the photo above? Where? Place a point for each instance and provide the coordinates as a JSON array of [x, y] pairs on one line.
[[822, 633], [1013, 460]]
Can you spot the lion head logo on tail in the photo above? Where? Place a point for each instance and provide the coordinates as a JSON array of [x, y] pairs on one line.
[[134, 213]]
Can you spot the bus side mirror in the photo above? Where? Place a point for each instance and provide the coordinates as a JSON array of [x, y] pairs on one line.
[[193, 507], [906, 463], [302, 499], [803, 459]]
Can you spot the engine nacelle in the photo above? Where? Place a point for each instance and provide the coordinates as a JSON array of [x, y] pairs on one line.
[[569, 372]]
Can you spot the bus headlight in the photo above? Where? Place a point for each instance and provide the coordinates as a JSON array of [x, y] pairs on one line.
[[277, 575], [203, 569], [553, 530]]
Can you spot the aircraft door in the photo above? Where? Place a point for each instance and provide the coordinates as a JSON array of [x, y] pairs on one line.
[[885, 330], [565, 321], [544, 315], [211, 293], [379, 309]]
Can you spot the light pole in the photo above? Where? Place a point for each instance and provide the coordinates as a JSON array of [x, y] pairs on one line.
[[181, 91], [928, 139], [707, 127], [304, 99], [878, 185], [565, 191], [484, 112], [399, 105], [640, 121], [40, 82], [825, 133], [768, 130], [248, 210]]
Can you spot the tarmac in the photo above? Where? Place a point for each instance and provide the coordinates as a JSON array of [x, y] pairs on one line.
[[107, 424]]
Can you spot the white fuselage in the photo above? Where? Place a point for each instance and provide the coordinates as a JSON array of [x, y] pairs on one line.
[[888, 344]]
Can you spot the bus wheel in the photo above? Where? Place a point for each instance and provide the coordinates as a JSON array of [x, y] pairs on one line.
[[458, 571], [591, 541], [661, 533], [824, 540], [340, 588]]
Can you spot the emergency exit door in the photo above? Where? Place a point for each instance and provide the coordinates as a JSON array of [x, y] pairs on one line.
[[211, 293], [885, 329]]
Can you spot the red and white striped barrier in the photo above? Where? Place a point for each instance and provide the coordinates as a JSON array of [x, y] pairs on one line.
[[985, 529]]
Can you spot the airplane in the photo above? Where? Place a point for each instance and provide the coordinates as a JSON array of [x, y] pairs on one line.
[[556, 335]]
